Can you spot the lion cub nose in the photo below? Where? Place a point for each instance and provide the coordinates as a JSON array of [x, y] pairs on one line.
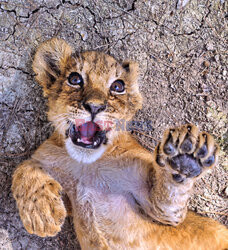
[[94, 108]]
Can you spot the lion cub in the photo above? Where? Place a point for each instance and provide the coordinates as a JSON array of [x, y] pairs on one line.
[[122, 196]]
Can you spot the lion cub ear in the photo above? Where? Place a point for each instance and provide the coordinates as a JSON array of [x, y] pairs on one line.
[[131, 76], [132, 70], [50, 61]]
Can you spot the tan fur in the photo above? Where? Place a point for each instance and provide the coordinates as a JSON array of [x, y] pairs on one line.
[[125, 198]]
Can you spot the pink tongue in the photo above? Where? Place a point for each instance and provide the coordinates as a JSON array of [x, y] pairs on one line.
[[87, 131]]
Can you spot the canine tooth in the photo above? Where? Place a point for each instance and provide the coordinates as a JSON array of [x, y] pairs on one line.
[[95, 143], [78, 140]]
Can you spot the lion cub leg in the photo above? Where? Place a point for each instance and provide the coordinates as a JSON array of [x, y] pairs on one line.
[[183, 155], [38, 199]]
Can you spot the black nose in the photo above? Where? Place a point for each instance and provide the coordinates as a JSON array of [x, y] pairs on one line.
[[94, 109]]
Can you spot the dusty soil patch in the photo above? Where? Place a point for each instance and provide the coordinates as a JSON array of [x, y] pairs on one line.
[[183, 59]]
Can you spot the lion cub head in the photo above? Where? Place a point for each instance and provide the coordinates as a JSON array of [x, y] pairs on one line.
[[88, 93]]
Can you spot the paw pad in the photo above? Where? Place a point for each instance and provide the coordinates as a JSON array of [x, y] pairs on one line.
[[186, 164], [178, 178], [186, 146], [209, 161], [186, 153], [202, 151], [169, 148]]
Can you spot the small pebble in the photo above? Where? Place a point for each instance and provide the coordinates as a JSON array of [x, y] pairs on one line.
[[217, 58], [84, 35], [210, 46], [206, 64]]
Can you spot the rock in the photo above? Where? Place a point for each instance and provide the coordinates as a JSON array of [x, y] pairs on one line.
[[206, 64], [210, 46]]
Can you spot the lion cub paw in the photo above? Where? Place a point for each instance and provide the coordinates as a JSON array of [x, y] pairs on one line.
[[186, 153], [43, 211]]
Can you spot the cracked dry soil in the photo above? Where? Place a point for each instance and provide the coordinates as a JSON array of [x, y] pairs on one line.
[[183, 59]]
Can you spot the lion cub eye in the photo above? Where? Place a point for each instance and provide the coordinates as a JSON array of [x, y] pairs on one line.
[[118, 86], [75, 79]]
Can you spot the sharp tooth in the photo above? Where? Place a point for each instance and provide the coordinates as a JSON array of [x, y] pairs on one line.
[[95, 143], [78, 140]]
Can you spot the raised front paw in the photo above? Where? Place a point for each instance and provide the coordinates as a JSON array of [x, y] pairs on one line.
[[186, 153], [42, 211]]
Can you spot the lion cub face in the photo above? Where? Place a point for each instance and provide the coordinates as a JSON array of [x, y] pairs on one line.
[[88, 94]]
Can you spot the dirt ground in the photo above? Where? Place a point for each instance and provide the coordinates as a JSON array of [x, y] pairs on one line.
[[183, 55]]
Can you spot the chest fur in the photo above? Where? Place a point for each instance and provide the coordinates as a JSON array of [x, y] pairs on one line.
[[111, 215]]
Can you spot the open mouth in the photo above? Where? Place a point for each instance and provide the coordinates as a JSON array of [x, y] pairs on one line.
[[87, 135]]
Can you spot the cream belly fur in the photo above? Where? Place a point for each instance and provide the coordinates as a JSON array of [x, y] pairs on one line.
[[111, 211], [99, 187]]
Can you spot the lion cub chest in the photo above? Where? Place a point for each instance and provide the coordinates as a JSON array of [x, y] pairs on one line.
[[110, 214]]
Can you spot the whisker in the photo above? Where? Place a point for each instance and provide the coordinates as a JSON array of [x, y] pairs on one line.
[[60, 115]]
